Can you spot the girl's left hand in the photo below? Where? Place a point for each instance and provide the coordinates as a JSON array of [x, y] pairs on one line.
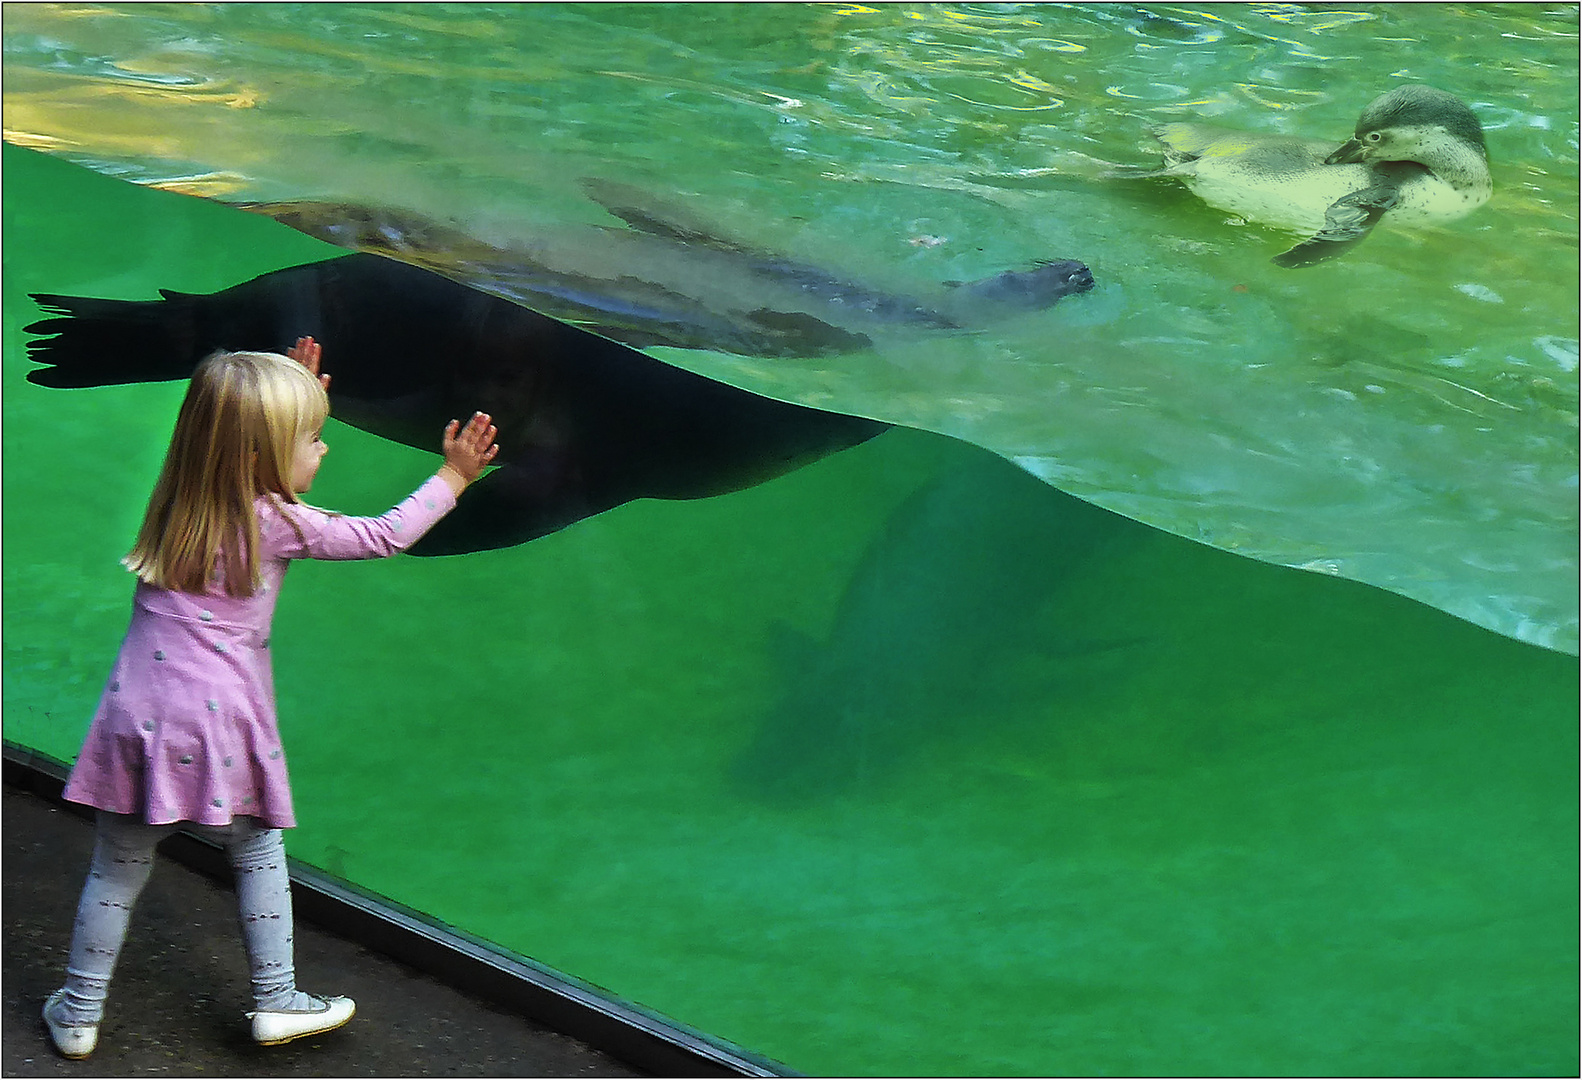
[[308, 352]]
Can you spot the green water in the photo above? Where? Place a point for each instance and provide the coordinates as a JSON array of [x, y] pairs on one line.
[[1405, 416], [1221, 817]]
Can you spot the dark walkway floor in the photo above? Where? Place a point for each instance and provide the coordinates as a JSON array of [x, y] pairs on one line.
[[180, 994]]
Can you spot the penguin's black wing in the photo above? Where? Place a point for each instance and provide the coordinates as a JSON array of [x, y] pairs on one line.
[[1350, 218]]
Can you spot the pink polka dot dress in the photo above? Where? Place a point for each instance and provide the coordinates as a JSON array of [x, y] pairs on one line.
[[186, 728]]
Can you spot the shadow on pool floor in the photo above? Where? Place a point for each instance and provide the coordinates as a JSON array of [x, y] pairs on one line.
[[178, 1004]]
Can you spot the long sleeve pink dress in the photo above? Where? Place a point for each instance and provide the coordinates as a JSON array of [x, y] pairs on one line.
[[186, 727]]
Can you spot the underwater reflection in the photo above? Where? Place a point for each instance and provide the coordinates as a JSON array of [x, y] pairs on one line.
[[938, 633], [669, 278]]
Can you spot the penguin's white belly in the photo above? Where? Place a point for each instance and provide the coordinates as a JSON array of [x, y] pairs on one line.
[[1428, 200], [1299, 202]]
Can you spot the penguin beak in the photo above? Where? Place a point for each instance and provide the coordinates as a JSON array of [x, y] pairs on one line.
[[1350, 153]]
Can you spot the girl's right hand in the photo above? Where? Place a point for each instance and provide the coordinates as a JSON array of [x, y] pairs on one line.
[[308, 353], [468, 451]]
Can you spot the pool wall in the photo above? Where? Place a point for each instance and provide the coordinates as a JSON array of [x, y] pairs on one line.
[[837, 768]]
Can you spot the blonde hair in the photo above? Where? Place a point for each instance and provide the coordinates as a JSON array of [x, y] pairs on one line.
[[235, 440]]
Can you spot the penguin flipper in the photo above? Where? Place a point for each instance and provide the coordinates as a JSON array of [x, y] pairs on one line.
[[1346, 223]]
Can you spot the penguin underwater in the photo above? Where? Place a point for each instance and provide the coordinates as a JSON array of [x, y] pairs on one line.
[[1417, 157]]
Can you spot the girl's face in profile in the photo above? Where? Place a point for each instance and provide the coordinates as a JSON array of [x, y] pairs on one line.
[[305, 460]]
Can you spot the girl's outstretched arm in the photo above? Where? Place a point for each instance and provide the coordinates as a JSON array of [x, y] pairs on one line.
[[318, 535], [299, 531]]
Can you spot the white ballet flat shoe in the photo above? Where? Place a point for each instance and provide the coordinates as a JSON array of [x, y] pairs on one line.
[[75, 1041], [271, 1028]]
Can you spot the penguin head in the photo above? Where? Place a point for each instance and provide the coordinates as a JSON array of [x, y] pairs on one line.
[[1411, 123]]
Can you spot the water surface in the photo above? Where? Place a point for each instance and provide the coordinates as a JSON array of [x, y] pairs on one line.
[[1404, 416]]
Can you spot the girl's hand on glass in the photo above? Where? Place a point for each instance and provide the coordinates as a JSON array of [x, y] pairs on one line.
[[308, 353], [468, 450]]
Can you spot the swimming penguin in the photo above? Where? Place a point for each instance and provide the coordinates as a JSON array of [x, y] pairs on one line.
[[1418, 156], [586, 423]]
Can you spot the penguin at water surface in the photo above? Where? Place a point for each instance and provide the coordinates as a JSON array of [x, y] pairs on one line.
[[1417, 158]]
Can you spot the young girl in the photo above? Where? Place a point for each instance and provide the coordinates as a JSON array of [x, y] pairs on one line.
[[185, 733]]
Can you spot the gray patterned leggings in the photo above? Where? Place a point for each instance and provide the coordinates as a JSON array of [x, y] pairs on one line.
[[123, 858]]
